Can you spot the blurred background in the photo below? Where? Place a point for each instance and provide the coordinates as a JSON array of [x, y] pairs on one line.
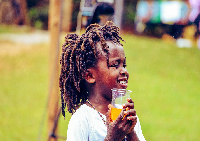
[[163, 59]]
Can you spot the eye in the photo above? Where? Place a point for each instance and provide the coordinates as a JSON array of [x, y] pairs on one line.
[[115, 64], [124, 64]]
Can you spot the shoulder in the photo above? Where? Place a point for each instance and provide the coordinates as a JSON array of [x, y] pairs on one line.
[[81, 115], [78, 127]]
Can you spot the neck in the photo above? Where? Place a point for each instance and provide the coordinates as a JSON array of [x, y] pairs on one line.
[[100, 103]]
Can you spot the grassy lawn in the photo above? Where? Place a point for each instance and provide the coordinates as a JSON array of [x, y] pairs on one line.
[[165, 81]]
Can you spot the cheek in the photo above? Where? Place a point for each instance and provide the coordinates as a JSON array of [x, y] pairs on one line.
[[112, 78]]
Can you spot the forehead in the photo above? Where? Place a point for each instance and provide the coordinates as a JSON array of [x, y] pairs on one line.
[[115, 50]]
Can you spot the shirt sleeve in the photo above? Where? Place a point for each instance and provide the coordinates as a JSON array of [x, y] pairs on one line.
[[138, 131], [77, 129]]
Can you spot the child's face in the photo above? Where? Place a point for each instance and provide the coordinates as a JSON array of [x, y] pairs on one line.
[[114, 76]]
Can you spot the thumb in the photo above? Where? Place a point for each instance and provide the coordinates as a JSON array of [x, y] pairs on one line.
[[108, 115]]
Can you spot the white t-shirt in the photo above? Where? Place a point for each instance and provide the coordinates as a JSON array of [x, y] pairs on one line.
[[87, 125]]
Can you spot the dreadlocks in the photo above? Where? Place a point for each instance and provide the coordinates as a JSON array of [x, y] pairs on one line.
[[78, 54]]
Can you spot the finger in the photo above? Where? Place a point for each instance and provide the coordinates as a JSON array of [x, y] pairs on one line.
[[132, 118], [130, 123], [128, 105], [131, 112], [110, 106], [108, 116], [130, 100]]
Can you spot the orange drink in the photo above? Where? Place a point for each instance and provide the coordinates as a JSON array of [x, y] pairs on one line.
[[115, 113], [119, 97]]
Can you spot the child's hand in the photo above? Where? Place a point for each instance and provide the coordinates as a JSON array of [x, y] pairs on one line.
[[124, 124], [130, 113]]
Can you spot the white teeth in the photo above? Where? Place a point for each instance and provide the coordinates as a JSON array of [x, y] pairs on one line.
[[122, 82]]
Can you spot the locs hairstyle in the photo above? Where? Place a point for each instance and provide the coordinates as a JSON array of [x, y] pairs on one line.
[[78, 54]]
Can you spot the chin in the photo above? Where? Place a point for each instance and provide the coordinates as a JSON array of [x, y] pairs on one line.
[[122, 86]]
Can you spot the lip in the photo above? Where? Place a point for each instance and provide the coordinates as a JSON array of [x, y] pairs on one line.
[[123, 85]]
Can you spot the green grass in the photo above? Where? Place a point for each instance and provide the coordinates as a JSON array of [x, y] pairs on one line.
[[165, 81], [23, 92]]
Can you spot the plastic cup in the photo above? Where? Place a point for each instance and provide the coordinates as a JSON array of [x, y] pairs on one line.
[[119, 97]]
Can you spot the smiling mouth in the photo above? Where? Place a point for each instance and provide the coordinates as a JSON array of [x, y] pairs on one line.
[[123, 82]]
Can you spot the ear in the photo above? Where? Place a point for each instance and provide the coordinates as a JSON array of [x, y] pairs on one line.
[[89, 76]]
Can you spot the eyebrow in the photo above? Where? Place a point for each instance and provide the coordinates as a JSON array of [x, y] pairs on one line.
[[117, 59]]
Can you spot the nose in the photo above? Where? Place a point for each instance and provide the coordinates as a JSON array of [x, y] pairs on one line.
[[124, 72]]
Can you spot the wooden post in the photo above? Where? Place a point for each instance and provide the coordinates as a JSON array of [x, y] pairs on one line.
[[55, 10], [67, 15]]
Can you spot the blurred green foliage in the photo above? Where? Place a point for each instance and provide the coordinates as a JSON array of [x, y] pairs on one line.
[[129, 15], [38, 17]]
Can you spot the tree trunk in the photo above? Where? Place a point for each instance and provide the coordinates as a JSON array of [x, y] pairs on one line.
[[67, 15], [55, 29], [23, 11]]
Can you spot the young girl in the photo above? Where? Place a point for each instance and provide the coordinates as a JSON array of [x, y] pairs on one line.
[[92, 65]]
